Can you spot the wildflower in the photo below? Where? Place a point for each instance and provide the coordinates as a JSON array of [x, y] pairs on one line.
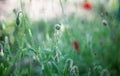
[[76, 46], [59, 28], [86, 5]]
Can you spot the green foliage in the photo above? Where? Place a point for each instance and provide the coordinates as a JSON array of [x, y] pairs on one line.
[[41, 50]]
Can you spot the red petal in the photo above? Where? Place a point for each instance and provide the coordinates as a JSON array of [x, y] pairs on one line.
[[87, 6], [76, 46]]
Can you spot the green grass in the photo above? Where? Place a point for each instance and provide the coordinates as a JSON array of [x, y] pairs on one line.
[[39, 49]]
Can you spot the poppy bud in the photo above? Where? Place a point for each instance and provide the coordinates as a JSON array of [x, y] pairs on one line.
[[17, 20], [57, 27], [104, 22]]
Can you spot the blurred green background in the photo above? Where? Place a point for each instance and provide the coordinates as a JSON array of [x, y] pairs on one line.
[[60, 38]]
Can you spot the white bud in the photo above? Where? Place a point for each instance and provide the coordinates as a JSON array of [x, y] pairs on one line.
[[43, 67], [6, 39], [57, 27], [1, 53], [104, 22]]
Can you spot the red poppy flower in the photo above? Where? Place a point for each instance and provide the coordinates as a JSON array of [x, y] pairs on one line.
[[76, 46], [87, 6]]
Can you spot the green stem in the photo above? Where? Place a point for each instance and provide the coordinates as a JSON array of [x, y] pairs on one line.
[[63, 14]]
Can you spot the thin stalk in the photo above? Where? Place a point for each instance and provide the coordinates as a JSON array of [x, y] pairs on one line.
[[30, 67], [20, 4], [63, 13]]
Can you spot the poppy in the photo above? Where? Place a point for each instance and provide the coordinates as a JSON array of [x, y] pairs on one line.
[[86, 5], [75, 45]]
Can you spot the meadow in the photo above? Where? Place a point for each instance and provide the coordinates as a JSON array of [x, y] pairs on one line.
[[65, 46]]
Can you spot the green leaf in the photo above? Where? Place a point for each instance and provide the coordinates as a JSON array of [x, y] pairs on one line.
[[55, 67], [65, 70], [47, 70]]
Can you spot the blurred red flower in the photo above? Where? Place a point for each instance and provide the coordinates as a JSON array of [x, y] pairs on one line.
[[87, 6], [75, 45]]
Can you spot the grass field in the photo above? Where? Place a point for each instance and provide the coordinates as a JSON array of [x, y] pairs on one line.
[[66, 46]]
